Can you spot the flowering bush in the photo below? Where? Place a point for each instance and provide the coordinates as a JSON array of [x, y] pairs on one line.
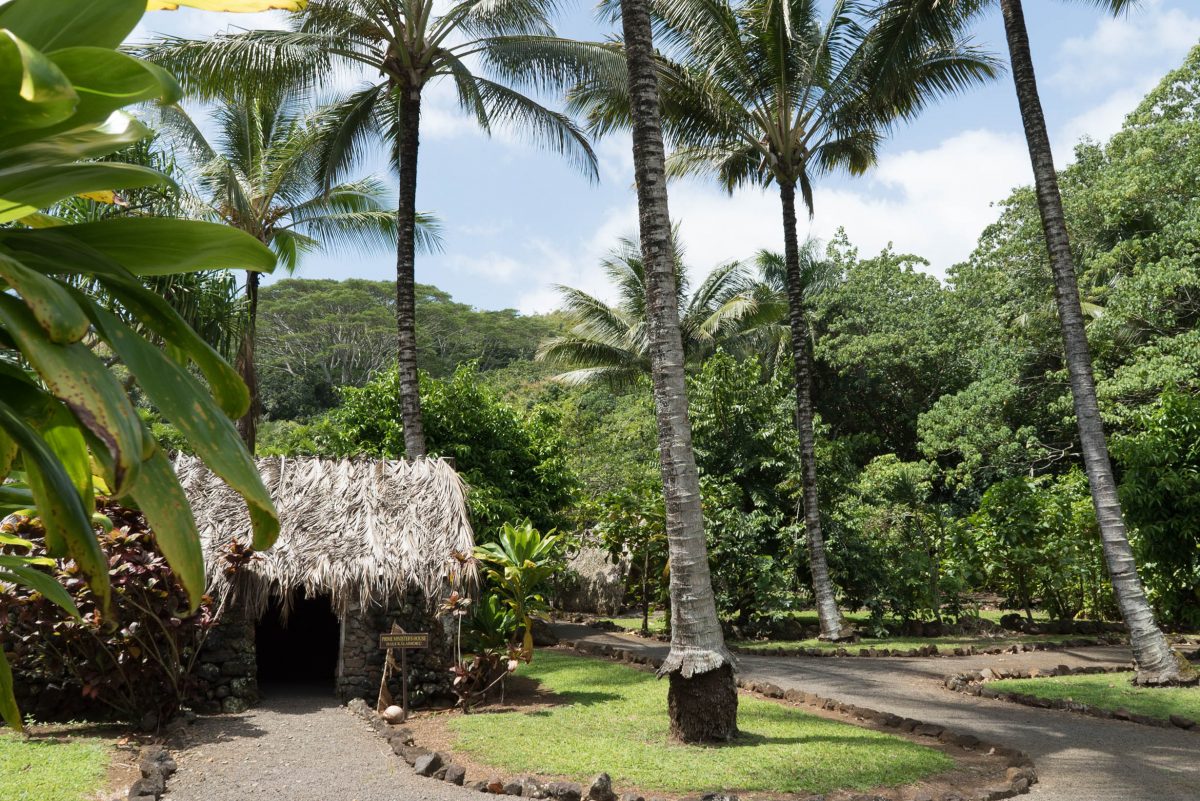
[[136, 664]]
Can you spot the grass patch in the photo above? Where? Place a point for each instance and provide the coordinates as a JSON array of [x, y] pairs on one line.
[[1110, 691], [51, 770], [944, 644], [616, 721]]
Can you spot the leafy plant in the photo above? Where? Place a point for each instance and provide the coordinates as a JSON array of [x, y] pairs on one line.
[[62, 88], [517, 564], [137, 660]]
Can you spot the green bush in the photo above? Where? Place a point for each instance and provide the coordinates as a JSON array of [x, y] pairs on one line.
[[1160, 491], [515, 464]]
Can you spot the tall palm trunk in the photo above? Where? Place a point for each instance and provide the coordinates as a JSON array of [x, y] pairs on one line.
[[1156, 663], [832, 625], [407, 146], [702, 698], [247, 425]]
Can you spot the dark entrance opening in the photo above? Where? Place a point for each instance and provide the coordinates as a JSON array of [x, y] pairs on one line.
[[302, 650]]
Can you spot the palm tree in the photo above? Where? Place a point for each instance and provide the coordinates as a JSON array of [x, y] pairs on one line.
[[409, 47], [1156, 663], [259, 175], [764, 91], [610, 343], [702, 696]]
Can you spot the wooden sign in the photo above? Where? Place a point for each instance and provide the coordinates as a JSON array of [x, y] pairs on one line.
[[404, 639], [397, 639]]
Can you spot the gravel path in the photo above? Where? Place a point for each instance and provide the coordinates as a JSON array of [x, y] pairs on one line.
[[1078, 758], [296, 746]]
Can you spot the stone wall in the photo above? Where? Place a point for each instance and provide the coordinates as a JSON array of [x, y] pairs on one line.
[[361, 664], [226, 673]]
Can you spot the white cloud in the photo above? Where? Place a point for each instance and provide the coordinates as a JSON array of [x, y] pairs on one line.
[[932, 202], [1147, 39]]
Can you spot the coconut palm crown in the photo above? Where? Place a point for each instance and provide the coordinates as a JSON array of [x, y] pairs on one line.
[[610, 343], [258, 174], [488, 50]]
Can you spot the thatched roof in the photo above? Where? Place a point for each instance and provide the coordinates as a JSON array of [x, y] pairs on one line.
[[361, 531]]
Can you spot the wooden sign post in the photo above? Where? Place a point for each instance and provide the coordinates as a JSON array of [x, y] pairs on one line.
[[398, 639]]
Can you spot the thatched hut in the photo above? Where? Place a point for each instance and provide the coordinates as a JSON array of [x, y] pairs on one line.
[[363, 544]]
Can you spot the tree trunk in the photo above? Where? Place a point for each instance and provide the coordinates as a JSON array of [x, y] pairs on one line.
[[407, 146], [1156, 662], [702, 700], [832, 625], [247, 424]]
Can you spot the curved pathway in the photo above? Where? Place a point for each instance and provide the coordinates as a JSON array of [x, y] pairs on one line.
[[298, 745], [1078, 758]]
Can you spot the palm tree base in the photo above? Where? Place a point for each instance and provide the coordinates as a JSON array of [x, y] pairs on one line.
[[1181, 674], [703, 707]]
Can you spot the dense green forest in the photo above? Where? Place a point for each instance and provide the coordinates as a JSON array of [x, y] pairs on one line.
[[947, 450]]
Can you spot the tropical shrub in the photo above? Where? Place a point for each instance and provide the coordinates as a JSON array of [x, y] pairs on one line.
[[516, 567], [134, 661], [1160, 493], [514, 464], [633, 523], [1037, 542], [62, 89]]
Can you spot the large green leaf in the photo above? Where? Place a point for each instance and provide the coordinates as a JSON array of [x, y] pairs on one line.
[[51, 254], [8, 701], [61, 432], [12, 568], [34, 91], [58, 315], [54, 24], [163, 502], [159, 246], [107, 80], [62, 514], [41, 186], [183, 401], [118, 131], [80, 380]]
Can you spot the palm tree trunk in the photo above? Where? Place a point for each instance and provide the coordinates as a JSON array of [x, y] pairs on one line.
[[702, 698], [1156, 662], [247, 424], [407, 146], [832, 625]]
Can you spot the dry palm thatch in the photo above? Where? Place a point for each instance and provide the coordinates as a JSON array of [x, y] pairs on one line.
[[359, 531]]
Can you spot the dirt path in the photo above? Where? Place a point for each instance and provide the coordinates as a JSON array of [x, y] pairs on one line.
[[295, 746], [1078, 758]]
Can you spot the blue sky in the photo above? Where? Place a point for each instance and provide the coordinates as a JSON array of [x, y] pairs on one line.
[[519, 220]]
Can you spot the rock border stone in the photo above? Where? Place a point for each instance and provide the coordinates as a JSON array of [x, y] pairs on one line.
[[1020, 773], [156, 766], [974, 682], [929, 650]]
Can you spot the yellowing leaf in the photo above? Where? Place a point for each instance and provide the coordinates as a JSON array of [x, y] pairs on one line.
[[104, 196], [239, 6]]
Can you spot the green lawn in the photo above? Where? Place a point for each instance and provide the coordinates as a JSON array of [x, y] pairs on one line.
[[944, 644], [1110, 691], [46, 770], [616, 721]]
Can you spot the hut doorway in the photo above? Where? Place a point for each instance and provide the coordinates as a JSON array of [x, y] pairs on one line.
[[303, 649]]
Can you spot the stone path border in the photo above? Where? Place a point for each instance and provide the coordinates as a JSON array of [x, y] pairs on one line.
[[928, 650], [156, 766], [975, 683]]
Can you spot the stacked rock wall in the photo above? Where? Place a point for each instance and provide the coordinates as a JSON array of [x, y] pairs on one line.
[[226, 671], [361, 664]]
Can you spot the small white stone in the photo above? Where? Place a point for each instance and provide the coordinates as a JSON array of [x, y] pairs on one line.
[[393, 714]]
